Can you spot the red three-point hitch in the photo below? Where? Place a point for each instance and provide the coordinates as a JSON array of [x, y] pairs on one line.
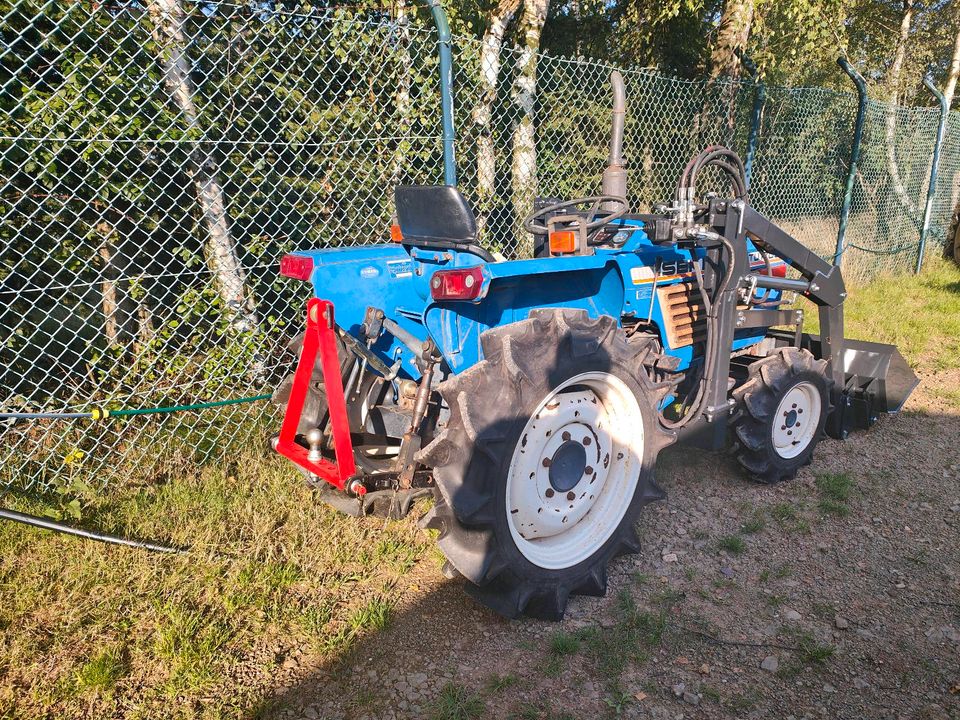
[[320, 338]]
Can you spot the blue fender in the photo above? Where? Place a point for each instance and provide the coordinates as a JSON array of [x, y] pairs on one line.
[[512, 289]]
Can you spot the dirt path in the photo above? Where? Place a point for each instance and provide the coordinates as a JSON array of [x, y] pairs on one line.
[[836, 595]]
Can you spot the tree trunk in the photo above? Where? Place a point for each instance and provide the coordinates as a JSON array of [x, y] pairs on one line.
[[893, 80], [733, 34], [524, 95], [490, 51], [229, 277], [951, 85], [402, 97], [119, 309]]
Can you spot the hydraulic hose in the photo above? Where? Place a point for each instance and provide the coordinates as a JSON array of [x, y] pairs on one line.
[[59, 527]]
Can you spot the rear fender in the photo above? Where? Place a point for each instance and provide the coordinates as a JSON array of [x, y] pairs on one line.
[[514, 288]]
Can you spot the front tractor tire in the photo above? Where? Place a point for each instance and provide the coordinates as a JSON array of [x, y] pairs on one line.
[[546, 460], [782, 410]]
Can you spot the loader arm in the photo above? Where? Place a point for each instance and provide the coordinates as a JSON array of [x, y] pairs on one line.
[[868, 378]]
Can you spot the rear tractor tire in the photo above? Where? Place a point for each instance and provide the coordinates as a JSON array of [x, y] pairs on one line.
[[546, 460], [782, 409]]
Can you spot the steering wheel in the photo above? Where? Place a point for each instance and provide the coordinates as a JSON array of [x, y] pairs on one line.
[[530, 222]]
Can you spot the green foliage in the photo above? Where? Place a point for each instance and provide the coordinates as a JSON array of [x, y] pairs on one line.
[[457, 703], [733, 544], [101, 671]]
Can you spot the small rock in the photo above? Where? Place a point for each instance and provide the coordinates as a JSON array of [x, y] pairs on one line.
[[678, 689], [841, 622], [670, 558], [691, 698], [770, 663], [311, 713], [944, 632], [727, 572], [860, 683], [417, 679], [791, 615], [828, 688]]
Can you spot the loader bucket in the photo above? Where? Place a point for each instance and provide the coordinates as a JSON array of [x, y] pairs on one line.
[[878, 380]]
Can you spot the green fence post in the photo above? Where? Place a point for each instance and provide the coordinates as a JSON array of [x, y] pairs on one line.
[[759, 98], [446, 89], [934, 166], [854, 153]]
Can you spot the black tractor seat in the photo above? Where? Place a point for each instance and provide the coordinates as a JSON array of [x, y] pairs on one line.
[[437, 216]]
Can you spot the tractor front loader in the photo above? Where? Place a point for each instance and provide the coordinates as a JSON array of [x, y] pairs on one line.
[[530, 398]]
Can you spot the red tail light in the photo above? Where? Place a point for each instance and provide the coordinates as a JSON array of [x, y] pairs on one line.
[[778, 270], [297, 267], [459, 284]]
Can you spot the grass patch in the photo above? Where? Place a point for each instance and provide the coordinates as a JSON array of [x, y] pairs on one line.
[[190, 639], [499, 683], [733, 544], [920, 314], [102, 671], [562, 644], [783, 512], [834, 491], [753, 525], [190, 627], [813, 653], [834, 486], [456, 703], [539, 711], [612, 649]]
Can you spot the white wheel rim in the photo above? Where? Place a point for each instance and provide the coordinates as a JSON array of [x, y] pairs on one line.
[[557, 516], [796, 420]]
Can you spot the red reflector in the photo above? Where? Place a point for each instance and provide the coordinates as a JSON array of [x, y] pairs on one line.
[[779, 270], [459, 284], [297, 267]]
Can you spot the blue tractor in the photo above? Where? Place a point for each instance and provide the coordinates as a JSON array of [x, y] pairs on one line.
[[530, 398]]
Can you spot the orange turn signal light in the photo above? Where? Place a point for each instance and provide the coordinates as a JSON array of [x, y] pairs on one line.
[[395, 234], [563, 241]]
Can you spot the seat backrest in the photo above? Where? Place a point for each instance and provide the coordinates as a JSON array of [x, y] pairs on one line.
[[434, 215]]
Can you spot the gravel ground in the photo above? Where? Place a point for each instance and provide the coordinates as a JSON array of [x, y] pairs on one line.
[[836, 595]]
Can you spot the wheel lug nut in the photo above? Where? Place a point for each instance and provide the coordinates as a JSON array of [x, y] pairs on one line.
[[548, 492], [571, 495]]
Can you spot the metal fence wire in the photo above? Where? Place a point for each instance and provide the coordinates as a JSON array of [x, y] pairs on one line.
[[157, 157]]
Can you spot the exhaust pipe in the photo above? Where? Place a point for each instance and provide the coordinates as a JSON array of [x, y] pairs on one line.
[[615, 175]]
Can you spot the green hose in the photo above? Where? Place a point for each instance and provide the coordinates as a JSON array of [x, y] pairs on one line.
[[183, 408], [100, 414]]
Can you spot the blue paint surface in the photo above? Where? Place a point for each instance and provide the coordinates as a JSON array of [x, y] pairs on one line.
[[396, 279]]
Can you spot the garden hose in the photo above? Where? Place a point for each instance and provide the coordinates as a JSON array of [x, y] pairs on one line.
[[104, 413]]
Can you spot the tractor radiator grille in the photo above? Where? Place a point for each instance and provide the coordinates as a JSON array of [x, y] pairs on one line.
[[683, 314]]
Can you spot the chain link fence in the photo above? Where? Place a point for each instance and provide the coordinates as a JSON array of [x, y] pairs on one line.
[[157, 157]]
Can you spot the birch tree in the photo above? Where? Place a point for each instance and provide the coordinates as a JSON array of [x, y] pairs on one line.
[[894, 80], [950, 87], [402, 98], [228, 274], [524, 96], [490, 61]]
